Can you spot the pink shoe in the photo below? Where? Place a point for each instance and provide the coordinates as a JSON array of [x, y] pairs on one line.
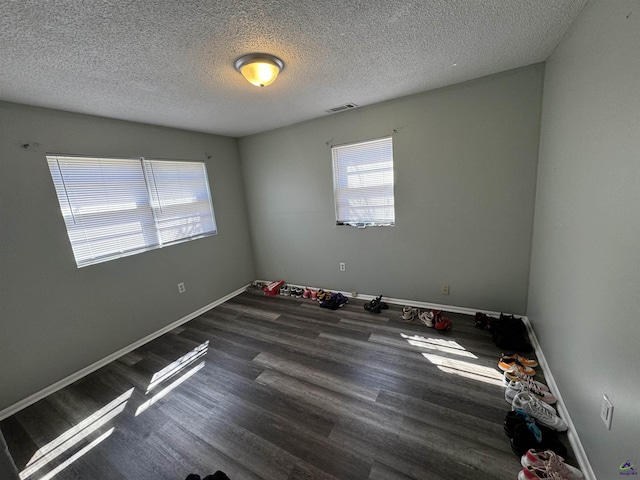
[[549, 461]]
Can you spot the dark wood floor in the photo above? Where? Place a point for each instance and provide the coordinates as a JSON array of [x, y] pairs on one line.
[[278, 388]]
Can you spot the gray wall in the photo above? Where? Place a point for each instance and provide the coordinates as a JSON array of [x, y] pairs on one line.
[[58, 319], [584, 297], [465, 161]]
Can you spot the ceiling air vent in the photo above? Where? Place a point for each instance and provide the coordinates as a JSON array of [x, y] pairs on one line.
[[341, 108]]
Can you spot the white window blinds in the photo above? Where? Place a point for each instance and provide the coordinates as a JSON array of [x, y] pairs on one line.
[[363, 183], [117, 207], [180, 199]]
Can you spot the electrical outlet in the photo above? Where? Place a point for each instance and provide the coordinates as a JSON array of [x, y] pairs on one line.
[[343, 267], [354, 294], [606, 411], [445, 290], [181, 288]]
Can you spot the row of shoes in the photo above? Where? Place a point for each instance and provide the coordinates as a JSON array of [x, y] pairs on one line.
[[376, 305], [325, 298], [533, 423], [525, 393], [297, 292], [518, 377], [430, 318]]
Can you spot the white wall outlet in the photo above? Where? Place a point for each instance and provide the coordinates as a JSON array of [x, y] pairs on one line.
[[181, 288], [354, 294], [343, 267], [445, 290], [606, 411]]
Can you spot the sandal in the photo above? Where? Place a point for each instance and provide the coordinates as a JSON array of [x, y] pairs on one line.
[[372, 307], [378, 301]]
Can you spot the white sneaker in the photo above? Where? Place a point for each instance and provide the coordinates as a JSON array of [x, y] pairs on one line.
[[540, 411], [515, 375], [409, 313], [426, 318], [535, 387], [513, 388]]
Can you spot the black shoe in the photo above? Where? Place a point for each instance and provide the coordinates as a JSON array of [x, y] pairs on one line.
[[330, 303], [512, 419], [192, 476], [526, 433], [376, 305], [378, 301], [515, 418], [528, 436], [482, 321], [217, 476], [372, 307], [515, 342], [340, 299]]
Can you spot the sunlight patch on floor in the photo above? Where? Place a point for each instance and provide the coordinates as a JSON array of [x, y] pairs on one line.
[[77, 455], [439, 344], [180, 364], [466, 369], [168, 388], [74, 435]]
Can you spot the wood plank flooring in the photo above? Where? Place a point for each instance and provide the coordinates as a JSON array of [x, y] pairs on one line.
[[278, 388]]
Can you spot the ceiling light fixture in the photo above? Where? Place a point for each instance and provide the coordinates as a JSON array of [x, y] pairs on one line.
[[260, 69]]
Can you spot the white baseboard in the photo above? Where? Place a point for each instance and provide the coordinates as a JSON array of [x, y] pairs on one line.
[[576, 444], [31, 399]]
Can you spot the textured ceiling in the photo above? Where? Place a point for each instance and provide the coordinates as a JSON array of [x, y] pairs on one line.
[[170, 62]]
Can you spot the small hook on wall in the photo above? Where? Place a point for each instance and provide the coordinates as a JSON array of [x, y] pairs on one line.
[[28, 146]]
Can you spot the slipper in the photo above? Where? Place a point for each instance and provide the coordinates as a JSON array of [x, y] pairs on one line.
[[378, 301]]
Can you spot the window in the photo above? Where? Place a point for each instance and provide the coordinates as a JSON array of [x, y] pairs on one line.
[[116, 207], [363, 183]]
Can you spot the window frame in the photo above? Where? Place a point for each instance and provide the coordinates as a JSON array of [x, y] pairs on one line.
[[379, 187], [121, 188]]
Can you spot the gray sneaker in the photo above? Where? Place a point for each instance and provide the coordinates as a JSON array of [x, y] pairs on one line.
[[513, 388], [540, 411]]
